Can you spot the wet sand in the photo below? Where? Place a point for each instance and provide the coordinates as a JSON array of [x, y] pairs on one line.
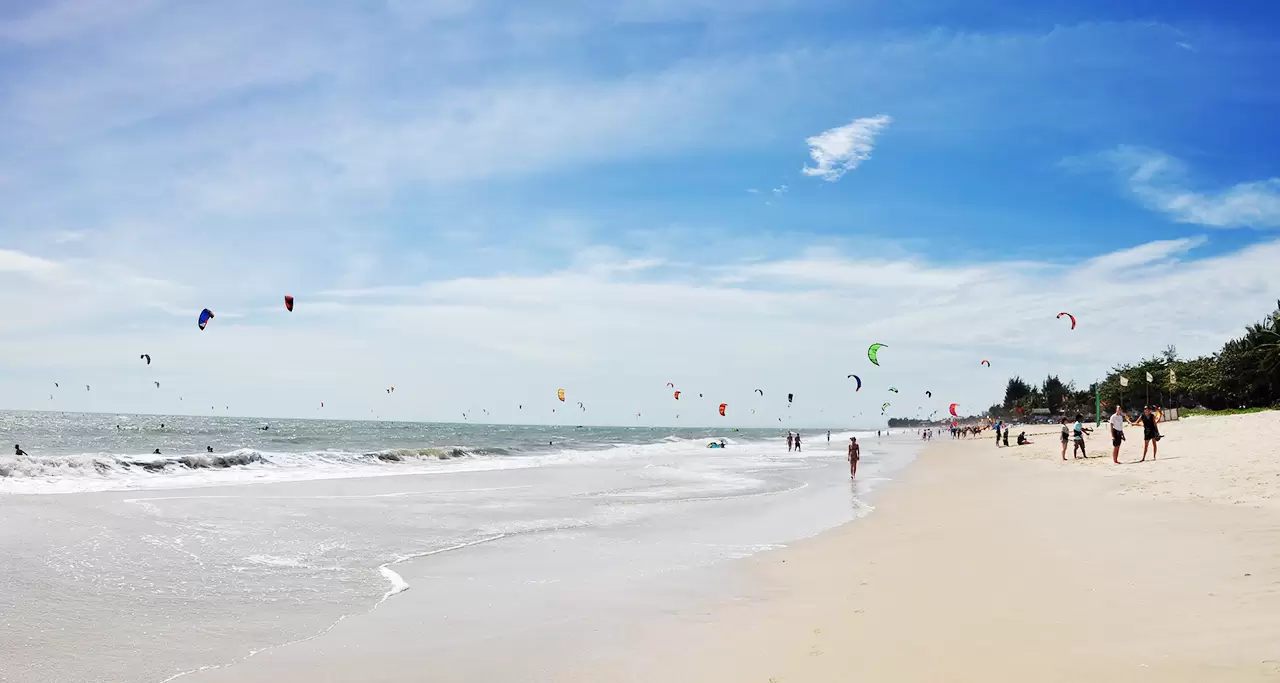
[[1011, 565]]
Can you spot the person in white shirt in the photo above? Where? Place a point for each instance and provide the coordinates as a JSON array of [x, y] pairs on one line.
[[1117, 433]]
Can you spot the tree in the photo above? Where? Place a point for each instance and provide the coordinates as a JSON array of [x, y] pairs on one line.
[[1016, 391]]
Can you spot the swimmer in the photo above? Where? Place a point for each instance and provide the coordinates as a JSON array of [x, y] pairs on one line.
[[17, 450], [208, 449], [156, 452]]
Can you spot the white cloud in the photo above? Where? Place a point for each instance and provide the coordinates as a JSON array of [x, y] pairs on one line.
[[18, 262], [780, 190], [614, 327], [1160, 182], [840, 150]]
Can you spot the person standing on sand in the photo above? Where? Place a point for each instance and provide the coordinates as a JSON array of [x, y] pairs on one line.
[[855, 454], [999, 425], [1066, 439], [1150, 433], [789, 440], [797, 442], [1079, 430], [1117, 433]]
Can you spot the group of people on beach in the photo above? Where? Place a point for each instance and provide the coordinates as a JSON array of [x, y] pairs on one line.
[[1116, 423]]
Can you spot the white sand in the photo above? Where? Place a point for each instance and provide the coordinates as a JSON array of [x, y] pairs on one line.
[[1011, 565]]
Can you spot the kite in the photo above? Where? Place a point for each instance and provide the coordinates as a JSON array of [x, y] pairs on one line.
[[722, 407], [1073, 318], [859, 380], [894, 389], [205, 316], [790, 397], [157, 385], [884, 406], [288, 303], [953, 410], [86, 387], [677, 395], [671, 385], [560, 394], [55, 385], [146, 357], [986, 363], [321, 405], [873, 352], [758, 391], [580, 406], [929, 394]]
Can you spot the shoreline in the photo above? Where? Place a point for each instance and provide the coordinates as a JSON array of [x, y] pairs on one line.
[[1010, 565]]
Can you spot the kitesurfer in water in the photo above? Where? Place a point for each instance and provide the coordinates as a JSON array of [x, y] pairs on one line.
[[17, 450]]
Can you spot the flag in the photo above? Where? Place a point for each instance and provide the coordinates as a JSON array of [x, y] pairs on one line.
[[1124, 381], [1173, 379], [1150, 378]]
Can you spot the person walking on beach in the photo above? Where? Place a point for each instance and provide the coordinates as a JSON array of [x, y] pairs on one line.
[[17, 450], [855, 454], [1117, 433], [828, 436], [797, 442], [790, 440], [1150, 433]]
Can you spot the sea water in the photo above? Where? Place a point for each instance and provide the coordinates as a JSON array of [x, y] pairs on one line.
[[122, 565]]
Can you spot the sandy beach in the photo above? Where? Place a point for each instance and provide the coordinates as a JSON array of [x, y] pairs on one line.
[[1012, 565]]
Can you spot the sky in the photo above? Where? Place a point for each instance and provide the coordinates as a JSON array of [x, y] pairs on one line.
[[480, 202]]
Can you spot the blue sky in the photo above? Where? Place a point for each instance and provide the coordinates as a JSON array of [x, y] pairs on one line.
[[479, 201]]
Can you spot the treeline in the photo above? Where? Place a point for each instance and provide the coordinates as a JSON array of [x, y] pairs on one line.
[[1244, 373]]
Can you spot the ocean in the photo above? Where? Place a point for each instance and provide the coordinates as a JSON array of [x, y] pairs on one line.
[[181, 565]]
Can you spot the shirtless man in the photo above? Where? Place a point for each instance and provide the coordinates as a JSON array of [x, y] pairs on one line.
[[855, 453]]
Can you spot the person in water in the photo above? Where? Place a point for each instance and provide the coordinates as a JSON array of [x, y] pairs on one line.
[[208, 449], [156, 452], [17, 450], [790, 441], [855, 454], [797, 442]]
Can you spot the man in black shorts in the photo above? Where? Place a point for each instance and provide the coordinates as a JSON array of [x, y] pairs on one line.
[[1150, 433]]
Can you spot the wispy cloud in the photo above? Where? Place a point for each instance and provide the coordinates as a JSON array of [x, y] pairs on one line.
[[614, 325], [1161, 182], [840, 150]]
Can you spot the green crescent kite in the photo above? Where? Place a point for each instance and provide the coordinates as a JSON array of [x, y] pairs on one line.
[[873, 351]]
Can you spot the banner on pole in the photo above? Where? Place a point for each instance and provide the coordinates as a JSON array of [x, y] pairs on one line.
[[1124, 381], [1150, 378]]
